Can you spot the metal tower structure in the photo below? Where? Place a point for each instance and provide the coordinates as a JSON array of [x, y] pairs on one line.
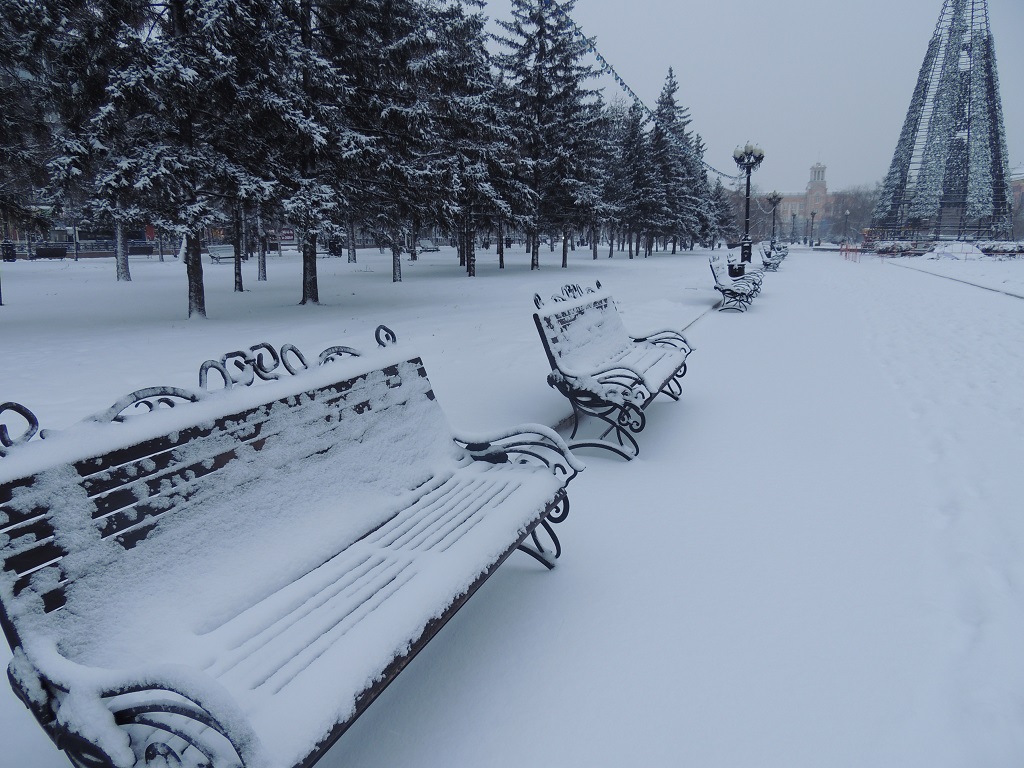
[[949, 178]]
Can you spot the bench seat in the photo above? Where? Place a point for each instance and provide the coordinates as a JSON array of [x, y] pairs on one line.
[[269, 566]]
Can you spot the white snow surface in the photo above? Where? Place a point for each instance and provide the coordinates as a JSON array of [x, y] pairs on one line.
[[955, 249], [816, 560]]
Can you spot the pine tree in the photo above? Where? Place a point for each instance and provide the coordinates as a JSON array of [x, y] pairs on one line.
[[24, 129], [669, 161], [472, 128], [543, 63], [645, 205]]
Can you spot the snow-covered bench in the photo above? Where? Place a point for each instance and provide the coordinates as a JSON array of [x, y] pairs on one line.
[[605, 373], [219, 253], [232, 581], [771, 259], [737, 294]]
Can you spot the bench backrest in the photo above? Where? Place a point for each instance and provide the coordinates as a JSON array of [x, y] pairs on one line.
[[582, 331], [716, 271], [339, 426]]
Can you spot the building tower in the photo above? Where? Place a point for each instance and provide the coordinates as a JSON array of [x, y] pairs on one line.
[[817, 191], [949, 177]]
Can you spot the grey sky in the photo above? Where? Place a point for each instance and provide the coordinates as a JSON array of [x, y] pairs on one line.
[[808, 80]]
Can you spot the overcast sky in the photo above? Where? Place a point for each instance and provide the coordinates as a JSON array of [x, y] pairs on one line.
[[810, 80]]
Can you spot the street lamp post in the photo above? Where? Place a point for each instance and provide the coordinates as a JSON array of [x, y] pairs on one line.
[[773, 200], [846, 225], [747, 158], [813, 214], [792, 231]]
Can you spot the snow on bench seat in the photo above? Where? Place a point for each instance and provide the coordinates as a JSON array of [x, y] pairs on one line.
[[273, 554], [603, 371]]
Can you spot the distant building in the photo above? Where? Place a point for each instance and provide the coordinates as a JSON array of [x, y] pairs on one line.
[[796, 208]]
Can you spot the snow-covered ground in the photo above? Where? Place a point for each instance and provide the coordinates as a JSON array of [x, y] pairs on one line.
[[817, 559]]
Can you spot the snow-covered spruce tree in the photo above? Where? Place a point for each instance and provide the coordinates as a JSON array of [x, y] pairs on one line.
[[596, 210], [543, 63], [509, 168], [25, 25], [95, 125], [645, 206], [721, 220], [472, 130], [672, 157], [585, 159], [615, 184], [384, 49], [706, 207], [182, 125]]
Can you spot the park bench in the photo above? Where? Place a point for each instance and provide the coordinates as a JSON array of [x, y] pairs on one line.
[[231, 581], [605, 373], [48, 251], [737, 294], [771, 259], [219, 253]]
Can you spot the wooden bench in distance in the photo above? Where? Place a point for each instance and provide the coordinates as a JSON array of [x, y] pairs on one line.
[[219, 253], [233, 580], [605, 373], [738, 294]]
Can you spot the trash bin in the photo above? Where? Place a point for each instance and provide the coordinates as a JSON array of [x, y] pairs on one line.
[[737, 270], [7, 250]]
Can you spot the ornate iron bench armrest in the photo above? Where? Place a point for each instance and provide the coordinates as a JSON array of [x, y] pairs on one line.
[[736, 291], [94, 707], [526, 443], [667, 338], [629, 382]]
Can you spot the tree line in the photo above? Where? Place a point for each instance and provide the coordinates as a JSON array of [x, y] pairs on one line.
[[393, 117]]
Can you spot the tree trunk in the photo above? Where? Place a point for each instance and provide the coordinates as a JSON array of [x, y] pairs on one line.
[[310, 290], [261, 262], [629, 242], [237, 236], [565, 249], [501, 244], [194, 273], [534, 240], [121, 253], [593, 239], [351, 241], [396, 263], [415, 238], [470, 247], [611, 241]]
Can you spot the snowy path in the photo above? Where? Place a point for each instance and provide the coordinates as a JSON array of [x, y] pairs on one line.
[[816, 561], [776, 581]]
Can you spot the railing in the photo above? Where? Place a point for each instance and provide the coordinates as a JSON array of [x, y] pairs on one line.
[[850, 252]]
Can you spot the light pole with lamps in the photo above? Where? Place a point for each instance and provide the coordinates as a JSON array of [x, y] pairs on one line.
[[813, 214], [792, 231], [747, 158], [773, 200], [846, 225]]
